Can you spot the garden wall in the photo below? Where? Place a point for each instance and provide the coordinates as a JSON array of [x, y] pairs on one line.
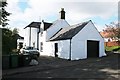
[[113, 43]]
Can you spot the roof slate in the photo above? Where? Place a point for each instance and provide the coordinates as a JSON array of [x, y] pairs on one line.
[[34, 25], [68, 32]]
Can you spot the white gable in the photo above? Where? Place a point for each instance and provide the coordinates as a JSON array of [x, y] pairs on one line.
[[89, 32], [61, 23]]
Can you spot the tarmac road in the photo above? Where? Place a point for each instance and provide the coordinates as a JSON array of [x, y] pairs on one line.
[[105, 68]]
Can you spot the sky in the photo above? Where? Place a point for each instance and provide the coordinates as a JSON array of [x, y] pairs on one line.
[[24, 12]]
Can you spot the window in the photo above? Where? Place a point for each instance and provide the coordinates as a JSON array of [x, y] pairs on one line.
[[41, 34], [33, 44], [41, 46]]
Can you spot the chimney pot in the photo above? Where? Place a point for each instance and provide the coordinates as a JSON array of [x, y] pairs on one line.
[[62, 13]]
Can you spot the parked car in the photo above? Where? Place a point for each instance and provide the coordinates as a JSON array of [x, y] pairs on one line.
[[30, 51]]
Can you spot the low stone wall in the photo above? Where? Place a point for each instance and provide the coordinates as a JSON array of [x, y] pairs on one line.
[[113, 43]]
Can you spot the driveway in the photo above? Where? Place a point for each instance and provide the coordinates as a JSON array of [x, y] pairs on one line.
[[105, 68]]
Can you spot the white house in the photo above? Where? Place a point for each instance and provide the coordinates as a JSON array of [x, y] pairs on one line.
[[59, 39]]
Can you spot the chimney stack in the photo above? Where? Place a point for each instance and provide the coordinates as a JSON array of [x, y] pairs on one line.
[[62, 13]]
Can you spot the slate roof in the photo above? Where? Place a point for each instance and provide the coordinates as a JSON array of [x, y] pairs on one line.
[[68, 32], [47, 25], [34, 25]]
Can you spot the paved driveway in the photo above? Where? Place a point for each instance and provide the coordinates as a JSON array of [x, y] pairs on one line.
[[105, 68]]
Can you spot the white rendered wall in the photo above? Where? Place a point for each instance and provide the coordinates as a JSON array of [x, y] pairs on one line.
[[34, 32], [42, 37], [79, 41], [56, 27], [64, 49], [78, 49], [48, 47], [33, 36], [102, 49]]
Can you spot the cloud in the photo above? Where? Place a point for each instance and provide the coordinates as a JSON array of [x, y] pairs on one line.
[[76, 10], [91, 9]]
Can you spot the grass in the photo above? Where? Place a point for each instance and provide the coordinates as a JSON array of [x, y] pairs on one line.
[[113, 48]]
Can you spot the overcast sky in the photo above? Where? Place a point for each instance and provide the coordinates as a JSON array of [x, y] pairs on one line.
[[101, 12]]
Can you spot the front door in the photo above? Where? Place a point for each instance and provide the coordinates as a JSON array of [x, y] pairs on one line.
[[56, 49]]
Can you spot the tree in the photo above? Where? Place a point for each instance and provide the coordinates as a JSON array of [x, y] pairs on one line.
[[113, 29], [3, 14], [6, 40], [9, 40]]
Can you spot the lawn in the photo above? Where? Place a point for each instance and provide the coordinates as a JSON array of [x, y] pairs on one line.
[[113, 48]]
